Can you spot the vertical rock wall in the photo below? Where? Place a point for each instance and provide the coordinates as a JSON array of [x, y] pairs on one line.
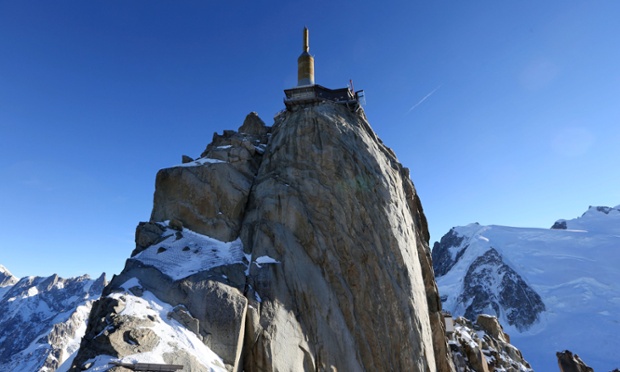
[[354, 283]]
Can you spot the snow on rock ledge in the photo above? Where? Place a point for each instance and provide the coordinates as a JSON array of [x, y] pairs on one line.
[[143, 330], [184, 253]]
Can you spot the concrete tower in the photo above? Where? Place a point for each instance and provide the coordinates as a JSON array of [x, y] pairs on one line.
[[305, 64]]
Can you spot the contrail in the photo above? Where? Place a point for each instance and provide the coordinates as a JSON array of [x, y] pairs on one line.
[[424, 99]]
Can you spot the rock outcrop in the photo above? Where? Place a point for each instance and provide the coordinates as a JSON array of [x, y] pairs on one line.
[[483, 346], [209, 195], [569, 362], [321, 258]]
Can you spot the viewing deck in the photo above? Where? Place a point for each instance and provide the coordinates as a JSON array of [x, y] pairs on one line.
[[316, 93]]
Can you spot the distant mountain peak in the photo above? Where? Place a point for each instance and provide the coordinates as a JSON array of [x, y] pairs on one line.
[[601, 219], [602, 209], [554, 289], [6, 278]]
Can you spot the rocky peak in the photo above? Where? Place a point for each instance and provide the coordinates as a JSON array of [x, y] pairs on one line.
[[447, 252], [6, 278], [301, 246], [498, 289], [569, 362], [482, 345], [209, 195]]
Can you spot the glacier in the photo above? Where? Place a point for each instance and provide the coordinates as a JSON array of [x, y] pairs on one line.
[[574, 268]]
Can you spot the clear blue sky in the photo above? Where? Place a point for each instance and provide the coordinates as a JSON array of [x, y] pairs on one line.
[[507, 112]]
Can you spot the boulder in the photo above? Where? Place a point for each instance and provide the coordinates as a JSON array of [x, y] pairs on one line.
[[253, 125], [147, 234], [186, 159], [491, 326]]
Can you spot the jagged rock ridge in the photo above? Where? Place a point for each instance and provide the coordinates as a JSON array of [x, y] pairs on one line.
[[327, 264], [42, 319], [483, 346]]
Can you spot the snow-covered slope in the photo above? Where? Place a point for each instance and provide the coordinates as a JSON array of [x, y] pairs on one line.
[[160, 336], [142, 318], [552, 289], [43, 319]]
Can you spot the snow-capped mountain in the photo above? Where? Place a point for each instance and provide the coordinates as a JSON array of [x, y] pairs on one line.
[[552, 289], [43, 319]]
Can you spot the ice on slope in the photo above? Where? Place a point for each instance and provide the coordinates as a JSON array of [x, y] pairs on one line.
[[575, 271]]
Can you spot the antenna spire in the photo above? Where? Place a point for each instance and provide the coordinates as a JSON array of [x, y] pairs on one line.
[[305, 63], [306, 40]]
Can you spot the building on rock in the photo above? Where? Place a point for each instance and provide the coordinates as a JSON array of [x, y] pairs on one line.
[[307, 92]]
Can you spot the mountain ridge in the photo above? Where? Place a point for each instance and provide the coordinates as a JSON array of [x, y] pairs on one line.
[[571, 269], [43, 319]]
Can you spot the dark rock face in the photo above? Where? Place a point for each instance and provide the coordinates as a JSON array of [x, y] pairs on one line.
[[491, 284], [569, 362], [605, 210], [559, 225], [442, 256]]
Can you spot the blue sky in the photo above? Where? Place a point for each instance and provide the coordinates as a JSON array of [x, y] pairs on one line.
[[507, 112]]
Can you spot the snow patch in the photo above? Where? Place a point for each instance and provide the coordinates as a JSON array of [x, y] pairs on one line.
[[200, 161], [173, 336], [263, 260], [180, 257]]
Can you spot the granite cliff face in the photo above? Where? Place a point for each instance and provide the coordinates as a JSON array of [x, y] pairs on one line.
[[301, 246]]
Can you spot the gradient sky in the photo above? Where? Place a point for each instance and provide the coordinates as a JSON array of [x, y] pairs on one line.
[[507, 112]]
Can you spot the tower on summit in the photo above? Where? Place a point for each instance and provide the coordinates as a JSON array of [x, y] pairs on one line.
[[307, 92], [305, 64]]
